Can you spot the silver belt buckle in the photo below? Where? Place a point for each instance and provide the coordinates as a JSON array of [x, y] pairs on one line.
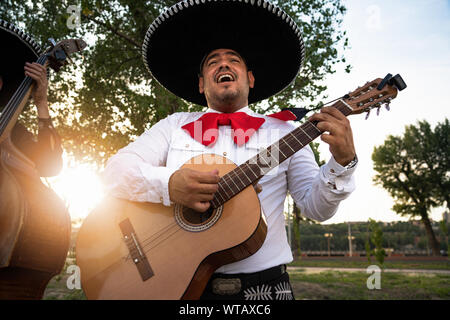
[[223, 286]]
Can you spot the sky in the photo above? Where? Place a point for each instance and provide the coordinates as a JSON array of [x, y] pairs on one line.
[[410, 38], [406, 37]]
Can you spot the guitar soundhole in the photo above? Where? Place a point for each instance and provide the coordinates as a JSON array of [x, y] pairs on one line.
[[195, 217], [195, 221]]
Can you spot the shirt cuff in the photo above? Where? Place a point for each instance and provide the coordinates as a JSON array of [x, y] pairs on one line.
[[158, 180], [337, 177]]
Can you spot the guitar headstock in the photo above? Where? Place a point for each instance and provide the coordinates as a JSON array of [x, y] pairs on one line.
[[59, 53], [375, 94]]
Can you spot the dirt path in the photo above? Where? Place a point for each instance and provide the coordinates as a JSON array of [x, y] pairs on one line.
[[408, 271]]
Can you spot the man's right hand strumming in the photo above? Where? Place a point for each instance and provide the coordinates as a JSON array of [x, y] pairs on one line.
[[193, 189]]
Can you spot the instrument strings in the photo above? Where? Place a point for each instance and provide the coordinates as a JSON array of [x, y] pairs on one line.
[[17, 97], [156, 236], [232, 176]]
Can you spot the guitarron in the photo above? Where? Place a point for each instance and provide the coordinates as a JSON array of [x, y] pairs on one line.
[[34, 222]]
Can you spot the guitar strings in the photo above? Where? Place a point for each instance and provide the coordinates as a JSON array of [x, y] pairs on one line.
[[227, 178], [246, 170], [168, 235], [287, 138], [148, 241], [156, 235], [167, 227]]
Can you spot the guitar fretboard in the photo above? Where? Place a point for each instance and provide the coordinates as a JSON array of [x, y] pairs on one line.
[[253, 169]]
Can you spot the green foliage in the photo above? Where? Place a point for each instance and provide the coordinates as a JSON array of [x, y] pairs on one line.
[[107, 98], [444, 228], [400, 236], [376, 238], [414, 170], [368, 251], [315, 148], [296, 228]]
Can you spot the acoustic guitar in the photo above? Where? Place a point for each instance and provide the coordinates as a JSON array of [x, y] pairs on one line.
[[34, 221], [130, 250]]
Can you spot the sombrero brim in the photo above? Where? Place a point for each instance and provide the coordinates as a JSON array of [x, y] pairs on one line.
[[268, 39], [18, 48]]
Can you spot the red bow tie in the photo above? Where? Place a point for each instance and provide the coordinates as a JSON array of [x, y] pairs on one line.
[[205, 129]]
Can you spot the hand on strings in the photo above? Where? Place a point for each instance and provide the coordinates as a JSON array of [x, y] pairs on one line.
[[193, 189], [38, 73]]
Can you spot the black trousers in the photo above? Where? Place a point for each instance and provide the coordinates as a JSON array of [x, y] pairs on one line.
[[270, 284]]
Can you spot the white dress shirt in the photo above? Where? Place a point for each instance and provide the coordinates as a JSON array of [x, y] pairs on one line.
[[141, 172]]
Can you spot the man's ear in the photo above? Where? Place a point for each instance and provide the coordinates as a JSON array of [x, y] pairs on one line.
[[251, 79], [200, 84]]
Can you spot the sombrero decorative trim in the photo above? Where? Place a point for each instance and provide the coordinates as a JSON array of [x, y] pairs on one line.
[[267, 37], [18, 48], [25, 38]]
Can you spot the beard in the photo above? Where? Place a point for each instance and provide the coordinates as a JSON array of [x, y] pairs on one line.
[[231, 96], [227, 96]]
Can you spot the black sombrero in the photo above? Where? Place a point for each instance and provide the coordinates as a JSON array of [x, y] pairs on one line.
[[17, 48], [266, 37]]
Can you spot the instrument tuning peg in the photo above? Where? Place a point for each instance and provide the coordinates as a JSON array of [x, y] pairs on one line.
[[388, 108], [378, 110], [52, 42], [368, 114]]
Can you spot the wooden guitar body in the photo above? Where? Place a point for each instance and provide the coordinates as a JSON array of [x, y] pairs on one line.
[[34, 229], [130, 250]]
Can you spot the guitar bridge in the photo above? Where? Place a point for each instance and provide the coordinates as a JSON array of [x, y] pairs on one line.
[[137, 254]]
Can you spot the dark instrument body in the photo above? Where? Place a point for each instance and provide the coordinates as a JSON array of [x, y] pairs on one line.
[[34, 222], [34, 229]]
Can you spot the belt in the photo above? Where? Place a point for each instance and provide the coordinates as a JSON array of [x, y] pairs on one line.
[[226, 284]]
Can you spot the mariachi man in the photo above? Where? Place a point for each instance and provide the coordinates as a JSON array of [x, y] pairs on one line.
[[226, 55], [18, 60]]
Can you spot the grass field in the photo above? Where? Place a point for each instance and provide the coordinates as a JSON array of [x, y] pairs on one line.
[[440, 263], [335, 285]]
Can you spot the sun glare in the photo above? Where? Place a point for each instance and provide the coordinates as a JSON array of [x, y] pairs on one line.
[[79, 186]]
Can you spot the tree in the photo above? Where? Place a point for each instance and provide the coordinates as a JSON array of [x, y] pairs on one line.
[[414, 169], [115, 99], [375, 236]]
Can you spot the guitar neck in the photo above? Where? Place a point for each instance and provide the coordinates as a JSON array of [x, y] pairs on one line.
[[256, 167], [15, 105]]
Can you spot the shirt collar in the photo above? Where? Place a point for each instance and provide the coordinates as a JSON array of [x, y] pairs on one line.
[[245, 109]]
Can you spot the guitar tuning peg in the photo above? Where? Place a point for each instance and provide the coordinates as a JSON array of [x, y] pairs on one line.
[[368, 114], [378, 110], [388, 108]]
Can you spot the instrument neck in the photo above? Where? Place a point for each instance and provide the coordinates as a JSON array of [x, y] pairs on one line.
[[15, 105], [256, 167]]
